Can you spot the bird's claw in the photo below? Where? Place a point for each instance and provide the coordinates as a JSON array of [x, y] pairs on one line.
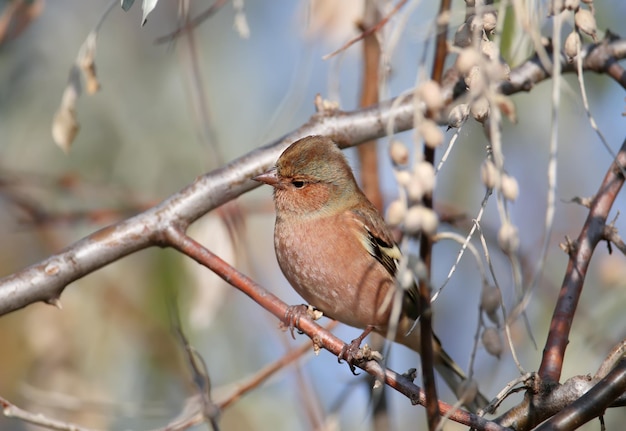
[[353, 353], [295, 312]]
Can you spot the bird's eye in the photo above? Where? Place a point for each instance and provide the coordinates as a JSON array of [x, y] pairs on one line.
[[298, 184]]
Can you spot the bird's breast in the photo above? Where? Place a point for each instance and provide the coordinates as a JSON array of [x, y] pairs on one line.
[[328, 266]]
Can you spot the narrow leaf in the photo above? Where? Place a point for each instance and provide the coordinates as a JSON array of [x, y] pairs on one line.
[[127, 4]]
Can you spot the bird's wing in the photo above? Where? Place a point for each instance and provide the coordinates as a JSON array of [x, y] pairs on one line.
[[377, 240], [379, 243]]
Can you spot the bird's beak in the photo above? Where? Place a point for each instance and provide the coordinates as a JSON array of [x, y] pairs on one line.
[[270, 178]]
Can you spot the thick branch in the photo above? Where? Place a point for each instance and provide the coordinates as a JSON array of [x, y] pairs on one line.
[[592, 404], [426, 242], [580, 257], [597, 57]]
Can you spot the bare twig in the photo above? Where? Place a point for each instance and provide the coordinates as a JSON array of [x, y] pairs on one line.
[[194, 22], [618, 352], [199, 372], [426, 242], [367, 32], [12, 411], [269, 370]]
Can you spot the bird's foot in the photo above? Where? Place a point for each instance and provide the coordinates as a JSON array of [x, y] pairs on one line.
[[295, 312], [353, 353]]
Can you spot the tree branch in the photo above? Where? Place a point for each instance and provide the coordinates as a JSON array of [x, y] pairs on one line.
[[580, 257], [592, 404], [321, 337], [46, 280]]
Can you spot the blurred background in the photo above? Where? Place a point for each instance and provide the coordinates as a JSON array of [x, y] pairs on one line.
[[169, 112]]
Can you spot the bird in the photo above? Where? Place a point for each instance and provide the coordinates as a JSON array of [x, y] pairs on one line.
[[337, 252]]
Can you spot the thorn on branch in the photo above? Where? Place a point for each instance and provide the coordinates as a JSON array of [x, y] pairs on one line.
[[584, 201], [611, 236], [569, 246], [56, 302], [324, 106], [410, 374]]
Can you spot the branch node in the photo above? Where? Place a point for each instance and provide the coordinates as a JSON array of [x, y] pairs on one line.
[[55, 302], [325, 106], [410, 374], [569, 246], [584, 201]]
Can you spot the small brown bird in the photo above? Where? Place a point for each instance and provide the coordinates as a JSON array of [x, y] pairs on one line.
[[336, 250]]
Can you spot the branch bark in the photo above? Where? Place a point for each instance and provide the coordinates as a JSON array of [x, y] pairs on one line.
[[580, 257]]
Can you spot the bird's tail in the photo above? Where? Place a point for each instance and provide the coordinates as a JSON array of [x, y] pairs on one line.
[[454, 377], [408, 334]]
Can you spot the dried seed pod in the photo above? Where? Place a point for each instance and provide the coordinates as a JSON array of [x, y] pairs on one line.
[[490, 50], [424, 173], [508, 238], [493, 316], [431, 132], [430, 222], [586, 22], [413, 220], [463, 36], [572, 4], [467, 59], [65, 127], [399, 153], [420, 219], [476, 80], [480, 109], [415, 190], [572, 45], [492, 341], [490, 19], [490, 298], [396, 211], [475, 24], [403, 178], [430, 93], [509, 187], [489, 174], [556, 7], [458, 115], [407, 281]]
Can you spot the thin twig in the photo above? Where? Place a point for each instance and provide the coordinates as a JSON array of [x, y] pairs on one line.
[[367, 32], [268, 371], [10, 410], [193, 23]]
